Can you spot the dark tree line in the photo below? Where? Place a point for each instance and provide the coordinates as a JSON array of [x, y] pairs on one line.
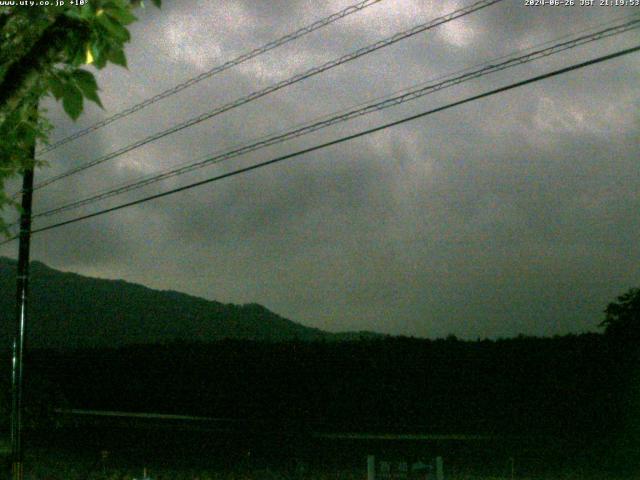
[[526, 385], [582, 387]]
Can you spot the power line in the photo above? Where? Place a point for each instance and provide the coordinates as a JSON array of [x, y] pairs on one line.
[[215, 70], [409, 95], [381, 97], [277, 86], [342, 139]]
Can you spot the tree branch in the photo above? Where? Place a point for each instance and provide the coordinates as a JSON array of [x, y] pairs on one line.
[[23, 77]]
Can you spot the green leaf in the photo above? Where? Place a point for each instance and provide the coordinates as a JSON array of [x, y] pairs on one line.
[[85, 80], [77, 54], [120, 14], [93, 96], [95, 48], [72, 101], [118, 57], [73, 13], [114, 28], [87, 11], [56, 86], [97, 51], [88, 85], [100, 63], [157, 3]]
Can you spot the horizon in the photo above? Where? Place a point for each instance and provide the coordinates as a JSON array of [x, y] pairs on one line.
[[596, 330]]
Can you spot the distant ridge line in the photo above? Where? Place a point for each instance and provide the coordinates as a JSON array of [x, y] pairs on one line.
[[129, 313]]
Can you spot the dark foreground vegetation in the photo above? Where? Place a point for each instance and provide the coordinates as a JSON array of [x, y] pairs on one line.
[[572, 385], [562, 403]]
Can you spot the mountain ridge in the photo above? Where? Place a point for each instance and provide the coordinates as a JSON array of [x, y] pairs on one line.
[[69, 310]]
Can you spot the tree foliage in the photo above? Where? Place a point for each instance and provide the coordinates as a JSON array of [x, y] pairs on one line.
[[45, 51], [622, 318]]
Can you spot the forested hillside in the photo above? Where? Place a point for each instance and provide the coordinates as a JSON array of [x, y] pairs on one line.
[[69, 310]]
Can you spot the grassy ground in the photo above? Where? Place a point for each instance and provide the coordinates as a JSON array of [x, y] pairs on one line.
[[273, 475], [52, 468], [71, 462]]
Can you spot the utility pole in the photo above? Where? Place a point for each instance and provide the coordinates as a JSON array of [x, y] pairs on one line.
[[22, 292]]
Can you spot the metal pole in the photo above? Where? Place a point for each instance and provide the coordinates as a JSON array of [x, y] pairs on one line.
[[22, 289], [371, 467], [439, 468]]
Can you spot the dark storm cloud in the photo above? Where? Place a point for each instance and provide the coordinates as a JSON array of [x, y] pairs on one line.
[[515, 214]]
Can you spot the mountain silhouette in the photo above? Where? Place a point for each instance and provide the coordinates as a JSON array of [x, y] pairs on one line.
[[68, 310]]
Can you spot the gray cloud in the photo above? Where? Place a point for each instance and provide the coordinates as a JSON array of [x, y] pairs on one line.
[[514, 214]]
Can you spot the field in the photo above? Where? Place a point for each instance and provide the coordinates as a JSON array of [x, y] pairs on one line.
[[49, 464], [119, 453], [56, 470]]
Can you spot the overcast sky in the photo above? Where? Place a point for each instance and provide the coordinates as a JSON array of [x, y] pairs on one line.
[[513, 214]]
